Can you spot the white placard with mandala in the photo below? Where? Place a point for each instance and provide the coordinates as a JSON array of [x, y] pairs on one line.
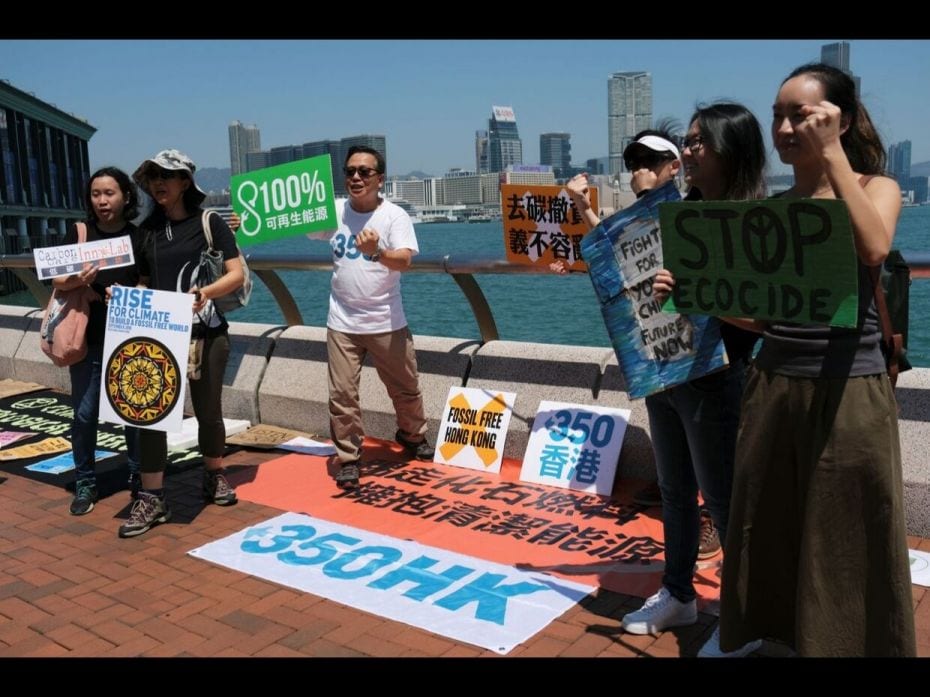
[[144, 373]]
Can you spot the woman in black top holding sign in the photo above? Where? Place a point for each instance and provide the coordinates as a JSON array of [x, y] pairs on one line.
[[817, 551], [171, 241], [111, 201], [693, 424]]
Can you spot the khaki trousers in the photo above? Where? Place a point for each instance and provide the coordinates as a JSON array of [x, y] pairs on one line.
[[394, 358]]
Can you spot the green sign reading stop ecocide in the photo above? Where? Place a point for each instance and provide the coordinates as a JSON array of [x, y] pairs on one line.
[[778, 259], [284, 200]]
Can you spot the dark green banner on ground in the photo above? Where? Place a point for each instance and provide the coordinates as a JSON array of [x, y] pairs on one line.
[[777, 259]]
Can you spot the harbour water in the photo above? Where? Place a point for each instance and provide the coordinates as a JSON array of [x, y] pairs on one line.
[[543, 308]]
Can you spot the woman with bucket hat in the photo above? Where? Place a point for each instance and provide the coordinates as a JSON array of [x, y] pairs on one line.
[[168, 253]]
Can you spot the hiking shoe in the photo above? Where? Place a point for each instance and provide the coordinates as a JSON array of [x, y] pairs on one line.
[[347, 476], [146, 511], [85, 496], [658, 613], [217, 489], [709, 540], [711, 649], [135, 485], [421, 450], [649, 496]]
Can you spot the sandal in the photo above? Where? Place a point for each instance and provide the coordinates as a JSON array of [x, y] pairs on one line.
[[347, 476]]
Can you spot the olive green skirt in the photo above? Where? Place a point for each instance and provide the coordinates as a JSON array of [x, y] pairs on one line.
[[816, 553]]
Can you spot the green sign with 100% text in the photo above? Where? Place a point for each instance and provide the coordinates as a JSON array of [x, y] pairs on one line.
[[284, 200]]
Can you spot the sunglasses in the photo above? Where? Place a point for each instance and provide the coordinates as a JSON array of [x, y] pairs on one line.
[[164, 174], [363, 172], [694, 143], [635, 162]]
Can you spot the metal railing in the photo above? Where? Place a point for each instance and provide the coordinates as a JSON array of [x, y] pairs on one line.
[[462, 268]]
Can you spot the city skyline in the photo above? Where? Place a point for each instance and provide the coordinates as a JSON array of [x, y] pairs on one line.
[[144, 96]]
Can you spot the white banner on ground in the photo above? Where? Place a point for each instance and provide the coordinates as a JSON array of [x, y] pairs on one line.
[[144, 373], [575, 446], [472, 600], [920, 567]]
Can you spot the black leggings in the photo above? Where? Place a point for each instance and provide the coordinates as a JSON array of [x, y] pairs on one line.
[[206, 396]]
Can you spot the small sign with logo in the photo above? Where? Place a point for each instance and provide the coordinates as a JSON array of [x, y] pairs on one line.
[[574, 446], [474, 428], [68, 259], [283, 201]]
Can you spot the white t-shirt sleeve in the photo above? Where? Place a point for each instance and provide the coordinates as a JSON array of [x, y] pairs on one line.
[[400, 233]]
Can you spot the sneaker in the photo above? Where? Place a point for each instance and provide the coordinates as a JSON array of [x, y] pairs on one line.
[[146, 511], [421, 450], [649, 496], [135, 485], [712, 648], [85, 496], [709, 540], [347, 476], [217, 489], [659, 613]]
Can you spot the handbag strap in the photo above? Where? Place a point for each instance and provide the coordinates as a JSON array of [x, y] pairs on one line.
[[205, 224], [893, 343]]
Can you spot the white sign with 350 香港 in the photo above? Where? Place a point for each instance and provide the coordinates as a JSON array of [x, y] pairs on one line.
[[575, 446]]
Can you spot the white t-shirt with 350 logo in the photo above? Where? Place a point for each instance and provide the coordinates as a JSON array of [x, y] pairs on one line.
[[365, 295]]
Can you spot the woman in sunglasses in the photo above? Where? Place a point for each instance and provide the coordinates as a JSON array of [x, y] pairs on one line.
[[171, 241], [693, 425]]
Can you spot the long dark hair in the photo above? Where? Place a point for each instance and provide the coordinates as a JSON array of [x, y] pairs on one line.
[[130, 194], [861, 142], [734, 134]]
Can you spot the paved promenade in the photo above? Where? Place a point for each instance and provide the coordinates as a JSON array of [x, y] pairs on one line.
[[70, 587]]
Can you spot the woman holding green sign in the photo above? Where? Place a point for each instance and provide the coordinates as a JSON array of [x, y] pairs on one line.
[[817, 550]]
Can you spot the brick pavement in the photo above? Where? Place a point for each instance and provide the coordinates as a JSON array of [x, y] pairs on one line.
[[70, 587]]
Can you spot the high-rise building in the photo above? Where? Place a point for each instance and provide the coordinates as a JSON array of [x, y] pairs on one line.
[[242, 140], [283, 154], [555, 149], [919, 185], [43, 164], [597, 165], [481, 152], [44, 167], [629, 110], [837, 56], [504, 144], [257, 160], [899, 162]]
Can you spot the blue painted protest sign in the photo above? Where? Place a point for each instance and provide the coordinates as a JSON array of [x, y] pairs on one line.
[[655, 349]]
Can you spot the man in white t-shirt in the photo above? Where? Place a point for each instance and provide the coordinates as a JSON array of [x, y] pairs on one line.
[[375, 242]]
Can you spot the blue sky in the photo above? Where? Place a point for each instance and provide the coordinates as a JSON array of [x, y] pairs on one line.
[[427, 97]]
